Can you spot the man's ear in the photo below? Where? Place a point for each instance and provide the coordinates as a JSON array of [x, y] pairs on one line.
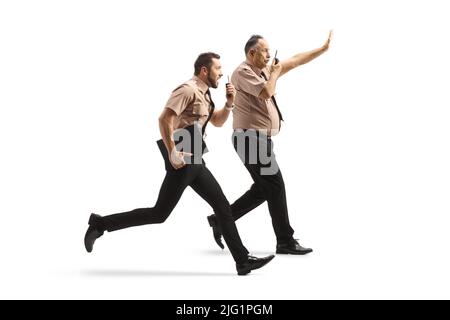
[[204, 70]]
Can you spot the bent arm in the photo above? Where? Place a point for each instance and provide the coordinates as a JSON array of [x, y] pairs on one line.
[[219, 117], [271, 84], [166, 128]]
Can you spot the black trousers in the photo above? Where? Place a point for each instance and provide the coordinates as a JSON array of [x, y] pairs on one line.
[[200, 179], [268, 184]]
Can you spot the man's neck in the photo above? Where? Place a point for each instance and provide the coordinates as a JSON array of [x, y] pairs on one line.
[[204, 82], [255, 68]]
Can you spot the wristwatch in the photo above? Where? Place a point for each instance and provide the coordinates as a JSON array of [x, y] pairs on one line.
[[229, 108]]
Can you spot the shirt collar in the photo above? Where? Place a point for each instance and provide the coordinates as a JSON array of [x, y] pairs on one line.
[[257, 70], [203, 87]]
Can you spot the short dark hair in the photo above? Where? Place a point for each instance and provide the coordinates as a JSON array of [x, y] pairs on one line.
[[252, 42], [204, 60]]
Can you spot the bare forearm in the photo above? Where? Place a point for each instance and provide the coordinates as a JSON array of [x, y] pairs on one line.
[[166, 130], [220, 116], [306, 57], [301, 58], [270, 86]]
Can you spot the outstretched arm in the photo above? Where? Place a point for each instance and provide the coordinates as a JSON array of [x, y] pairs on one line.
[[304, 57]]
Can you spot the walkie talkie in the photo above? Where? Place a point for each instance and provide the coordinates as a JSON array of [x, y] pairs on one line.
[[228, 94]]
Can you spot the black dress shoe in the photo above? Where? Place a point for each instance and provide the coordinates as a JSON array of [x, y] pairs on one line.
[[212, 220], [93, 232], [292, 247], [252, 263]]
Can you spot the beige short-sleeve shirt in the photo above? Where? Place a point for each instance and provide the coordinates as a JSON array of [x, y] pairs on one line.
[[190, 102], [252, 112]]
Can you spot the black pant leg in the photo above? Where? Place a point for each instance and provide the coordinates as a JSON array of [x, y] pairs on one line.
[[247, 202], [209, 189], [254, 196], [170, 193], [266, 186], [275, 194]]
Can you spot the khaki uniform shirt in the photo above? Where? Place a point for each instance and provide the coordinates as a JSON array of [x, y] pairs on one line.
[[252, 112], [190, 102]]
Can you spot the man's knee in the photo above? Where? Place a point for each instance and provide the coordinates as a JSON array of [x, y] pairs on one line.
[[159, 214], [272, 188], [223, 206], [162, 218]]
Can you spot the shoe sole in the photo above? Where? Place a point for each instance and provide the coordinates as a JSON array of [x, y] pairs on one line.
[[87, 249], [244, 273], [294, 252], [240, 273], [219, 243]]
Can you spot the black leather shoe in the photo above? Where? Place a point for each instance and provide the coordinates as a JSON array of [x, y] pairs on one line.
[[252, 263], [93, 232], [292, 247], [216, 230]]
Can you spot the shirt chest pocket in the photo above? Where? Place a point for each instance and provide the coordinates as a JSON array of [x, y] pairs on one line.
[[200, 108]]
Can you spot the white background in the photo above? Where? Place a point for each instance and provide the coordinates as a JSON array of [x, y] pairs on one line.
[[364, 149]]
